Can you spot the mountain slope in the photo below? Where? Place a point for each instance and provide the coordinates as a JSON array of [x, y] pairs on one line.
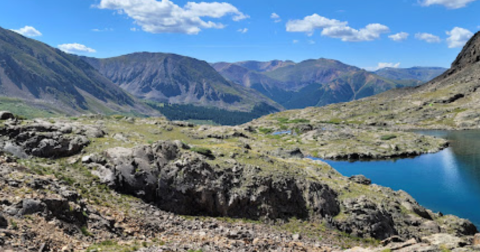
[[311, 82], [273, 89], [449, 101], [423, 74], [170, 78], [266, 66], [47, 78]]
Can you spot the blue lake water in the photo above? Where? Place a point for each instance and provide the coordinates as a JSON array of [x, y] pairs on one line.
[[447, 181]]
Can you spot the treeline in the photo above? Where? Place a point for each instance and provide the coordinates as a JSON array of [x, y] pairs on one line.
[[224, 117]]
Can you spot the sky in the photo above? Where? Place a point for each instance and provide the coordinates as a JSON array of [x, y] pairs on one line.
[[366, 33]]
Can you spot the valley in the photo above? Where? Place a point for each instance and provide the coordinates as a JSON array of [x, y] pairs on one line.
[[150, 151]]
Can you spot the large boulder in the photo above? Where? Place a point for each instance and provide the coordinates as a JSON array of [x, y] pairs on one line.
[[5, 115]]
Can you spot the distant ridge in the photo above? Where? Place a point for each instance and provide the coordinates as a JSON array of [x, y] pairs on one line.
[[450, 101], [308, 83], [423, 74], [171, 78], [49, 79]]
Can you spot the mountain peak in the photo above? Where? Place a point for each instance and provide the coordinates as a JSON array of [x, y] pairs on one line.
[[469, 55]]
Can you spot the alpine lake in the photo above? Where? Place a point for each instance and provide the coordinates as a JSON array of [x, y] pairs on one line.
[[446, 182]]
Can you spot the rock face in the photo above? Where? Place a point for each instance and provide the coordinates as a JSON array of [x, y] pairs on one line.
[[44, 139], [469, 55], [183, 183]]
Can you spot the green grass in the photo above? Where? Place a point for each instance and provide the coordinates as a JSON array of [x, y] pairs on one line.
[[388, 137], [202, 150], [265, 130], [85, 231], [285, 120]]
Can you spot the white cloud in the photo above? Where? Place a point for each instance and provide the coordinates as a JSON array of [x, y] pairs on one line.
[[383, 65], [310, 23], [103, 30], [458, 37], [244, 30], [311, 42], [295, 41], [275, 17], [134, 29], [336, 29], [28, 31], [166, 17], [429, 38], [451, 4], [401, 36], [345, 33], [75, 48]]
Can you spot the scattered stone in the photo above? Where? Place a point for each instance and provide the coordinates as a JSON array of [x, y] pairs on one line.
[[476, 239], [3, 222], [360, 179]]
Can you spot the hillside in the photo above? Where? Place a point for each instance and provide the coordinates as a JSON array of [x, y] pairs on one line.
[[170, 78], [449, 101], [45, 79], [309, 83], [423, 74]]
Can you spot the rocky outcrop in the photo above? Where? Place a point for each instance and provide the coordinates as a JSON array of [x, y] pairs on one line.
[[360, 179], [5, 115], [182, 182], [469, 55], [45, 214], [45, 139]]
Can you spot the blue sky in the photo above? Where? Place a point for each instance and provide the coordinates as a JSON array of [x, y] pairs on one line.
[[361, 33]]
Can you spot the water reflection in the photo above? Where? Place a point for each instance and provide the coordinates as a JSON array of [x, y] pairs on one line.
[[448, 181]]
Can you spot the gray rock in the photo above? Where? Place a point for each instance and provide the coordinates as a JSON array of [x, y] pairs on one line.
[[447, 240], [31, 206], [3, 222], [5, 115], [476, 239], [184, 183], [366, 218], [295, 153], [15, 150], [42, 139], [360, 179]]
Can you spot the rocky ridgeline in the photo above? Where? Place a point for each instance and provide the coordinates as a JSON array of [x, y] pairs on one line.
[[49, 213]]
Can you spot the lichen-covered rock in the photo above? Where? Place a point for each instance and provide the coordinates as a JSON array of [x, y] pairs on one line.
[[184, 183], [45, 139], [360, 179]]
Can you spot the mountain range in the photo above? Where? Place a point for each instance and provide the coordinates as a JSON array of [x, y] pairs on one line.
[[449, 101], [423, 74], [317, 82], [171, 78], [46, 78]]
